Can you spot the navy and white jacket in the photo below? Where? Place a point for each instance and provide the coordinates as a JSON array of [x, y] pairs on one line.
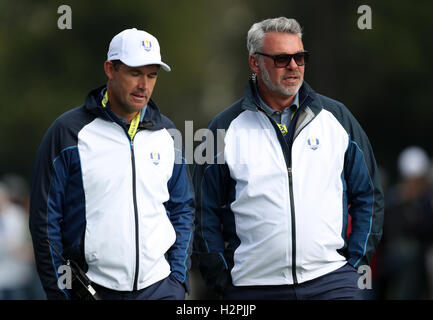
[[273, 209], [122, 209]]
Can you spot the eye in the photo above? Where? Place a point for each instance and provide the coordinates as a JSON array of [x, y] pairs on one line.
[[301, 58], [281, 59], [134, 72]]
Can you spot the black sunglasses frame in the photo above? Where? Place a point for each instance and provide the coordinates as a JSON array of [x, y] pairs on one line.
[[305, 54]]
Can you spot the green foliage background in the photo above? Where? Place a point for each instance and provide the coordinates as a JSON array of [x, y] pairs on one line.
[[383, 75]]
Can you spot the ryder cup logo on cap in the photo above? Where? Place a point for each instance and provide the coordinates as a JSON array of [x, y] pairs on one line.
[[136, 48], [147, 45]]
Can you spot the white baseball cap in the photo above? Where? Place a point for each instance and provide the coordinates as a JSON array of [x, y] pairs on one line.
[[136, 48]]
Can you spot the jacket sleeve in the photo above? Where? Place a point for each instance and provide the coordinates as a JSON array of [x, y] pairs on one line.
[[180, 208], [211, 180], [50, 173], [364, 195]]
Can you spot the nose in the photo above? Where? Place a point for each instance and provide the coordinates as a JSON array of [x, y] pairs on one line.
[[292, 64], [142, 83]]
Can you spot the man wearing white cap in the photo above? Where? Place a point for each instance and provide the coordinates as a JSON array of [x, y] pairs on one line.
[[110, 191]]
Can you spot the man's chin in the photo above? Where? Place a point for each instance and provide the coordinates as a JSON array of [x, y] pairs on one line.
[[290, 90], [135, 107]]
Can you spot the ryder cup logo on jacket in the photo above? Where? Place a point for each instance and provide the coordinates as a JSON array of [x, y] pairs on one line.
[[155, 157], [313, 143], [147, 45]]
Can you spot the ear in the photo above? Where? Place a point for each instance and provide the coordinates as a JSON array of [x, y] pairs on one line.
[[109, 69], [254, 63]]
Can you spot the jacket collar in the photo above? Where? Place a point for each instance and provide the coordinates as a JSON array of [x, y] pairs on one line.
[[152, 119]]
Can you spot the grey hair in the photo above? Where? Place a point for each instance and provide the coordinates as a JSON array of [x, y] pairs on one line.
[[258, 31]]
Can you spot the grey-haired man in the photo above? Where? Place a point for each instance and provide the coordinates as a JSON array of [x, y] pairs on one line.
[[273, 206]]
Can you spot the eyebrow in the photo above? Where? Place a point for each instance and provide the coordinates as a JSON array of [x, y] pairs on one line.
[[137, 70], [282, 54]]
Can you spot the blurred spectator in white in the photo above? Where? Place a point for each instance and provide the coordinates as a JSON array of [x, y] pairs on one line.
[[15, 242], [18, 190], [407, 230], [414, 165], [15, 253]]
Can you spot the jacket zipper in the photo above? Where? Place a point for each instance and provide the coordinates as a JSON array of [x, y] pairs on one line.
[[134, 195], [287, 153], [293, 226], [292, 202], [288, 159]]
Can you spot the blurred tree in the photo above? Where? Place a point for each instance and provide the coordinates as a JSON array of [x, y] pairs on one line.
[[382, 74]]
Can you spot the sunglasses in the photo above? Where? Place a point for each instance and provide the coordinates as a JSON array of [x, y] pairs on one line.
[[283, 60]]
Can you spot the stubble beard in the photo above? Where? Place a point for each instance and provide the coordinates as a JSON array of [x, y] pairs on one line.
[[278, 87], [124, 104]]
